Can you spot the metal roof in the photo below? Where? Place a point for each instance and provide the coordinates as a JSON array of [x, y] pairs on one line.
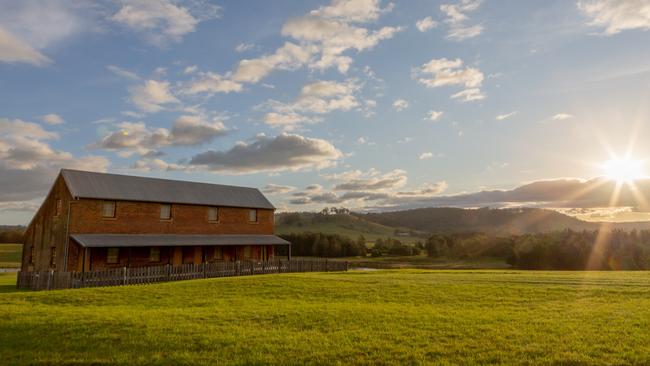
[[155, 240], [131, 188]]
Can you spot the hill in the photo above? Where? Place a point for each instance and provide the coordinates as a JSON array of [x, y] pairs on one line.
[[360, 317], [342, 224], [494, 221]]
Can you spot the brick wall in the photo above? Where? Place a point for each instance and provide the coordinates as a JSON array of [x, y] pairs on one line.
[[144, 218]]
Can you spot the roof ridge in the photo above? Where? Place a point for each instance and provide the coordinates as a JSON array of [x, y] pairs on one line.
[[156, 178]]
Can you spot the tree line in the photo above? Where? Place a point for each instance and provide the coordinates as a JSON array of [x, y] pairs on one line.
[[11, 234], [559, 250]]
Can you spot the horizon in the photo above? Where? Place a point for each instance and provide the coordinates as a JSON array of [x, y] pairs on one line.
[[366, 104]]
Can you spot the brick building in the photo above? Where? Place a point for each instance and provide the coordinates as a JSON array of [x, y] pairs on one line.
[[93, 221]]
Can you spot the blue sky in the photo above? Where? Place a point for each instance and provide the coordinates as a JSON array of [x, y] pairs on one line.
[[360, 103]]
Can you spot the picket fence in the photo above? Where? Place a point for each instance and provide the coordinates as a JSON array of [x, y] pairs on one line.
[[52, 280]]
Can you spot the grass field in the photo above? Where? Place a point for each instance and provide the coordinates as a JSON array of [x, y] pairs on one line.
[[423, 261], [10, 255], [360, 317]]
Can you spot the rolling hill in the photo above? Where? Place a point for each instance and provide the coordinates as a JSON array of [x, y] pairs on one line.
[[342, 224], [416, 224]]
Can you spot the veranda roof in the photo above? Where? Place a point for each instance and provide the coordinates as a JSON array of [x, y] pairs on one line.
[[154, 240]]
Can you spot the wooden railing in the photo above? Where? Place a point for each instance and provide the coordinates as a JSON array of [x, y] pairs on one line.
[[51, 280]]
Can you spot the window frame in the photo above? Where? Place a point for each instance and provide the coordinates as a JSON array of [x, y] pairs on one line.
[[32, 254], [104, 203], [216, 210], [151, 258], [117, 255], [250, 211], [169, 217]]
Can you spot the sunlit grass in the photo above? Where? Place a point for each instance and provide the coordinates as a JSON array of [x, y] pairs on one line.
[[10, 255], [412, 317]]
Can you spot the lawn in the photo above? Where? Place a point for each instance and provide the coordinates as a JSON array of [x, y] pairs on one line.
[[10, 255], [359, 317], [423, 261]]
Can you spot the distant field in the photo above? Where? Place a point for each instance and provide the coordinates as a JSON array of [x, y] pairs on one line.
[[424, 262], [360, 317], [10, 255], [347, 225]]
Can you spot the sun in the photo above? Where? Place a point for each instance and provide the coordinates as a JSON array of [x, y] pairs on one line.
[[624, 170]]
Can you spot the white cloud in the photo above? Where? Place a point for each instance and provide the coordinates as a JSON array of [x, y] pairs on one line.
[[13, 50], [561, 116], [190, 69], [463, 33], [616, 16], [456, 19], [277, 189], [357, 187], [152, 95], [333, 37], [426, 24], [371, 180], [400, 104], [360, 11], [426, 155], [442, 72], [28, 163], [52, 119], [136, 137], [434, 115], [270, 154], [316, 98], [212, 83], [505, 116], [243, 47], [469, 95], [162, 21], [323, 35], [288, 57]]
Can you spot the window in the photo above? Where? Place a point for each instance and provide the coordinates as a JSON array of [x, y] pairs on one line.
[[252, 215], [108, 209], [52, 256], [57, 207], [112, 255], [213, 214], [165, 212], [247, 251], [218, 253], [154, 254], [32, 254]]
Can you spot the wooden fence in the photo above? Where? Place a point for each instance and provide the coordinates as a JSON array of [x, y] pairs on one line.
[[51, 280]]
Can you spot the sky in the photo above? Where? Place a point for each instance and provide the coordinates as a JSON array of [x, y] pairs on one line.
[[365, 104]]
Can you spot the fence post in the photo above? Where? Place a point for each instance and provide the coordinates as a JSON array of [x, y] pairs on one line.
[[124, 276], [237, 265], [169, 272], [50, 276], [203, 268], [346, 266]]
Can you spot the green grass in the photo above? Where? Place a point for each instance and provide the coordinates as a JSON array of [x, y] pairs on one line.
[[10, 255], [7, 282], [422, 261], [347, 225], [361, 317]]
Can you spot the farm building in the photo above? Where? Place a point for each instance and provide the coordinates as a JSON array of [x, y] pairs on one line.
[[94, 221]]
